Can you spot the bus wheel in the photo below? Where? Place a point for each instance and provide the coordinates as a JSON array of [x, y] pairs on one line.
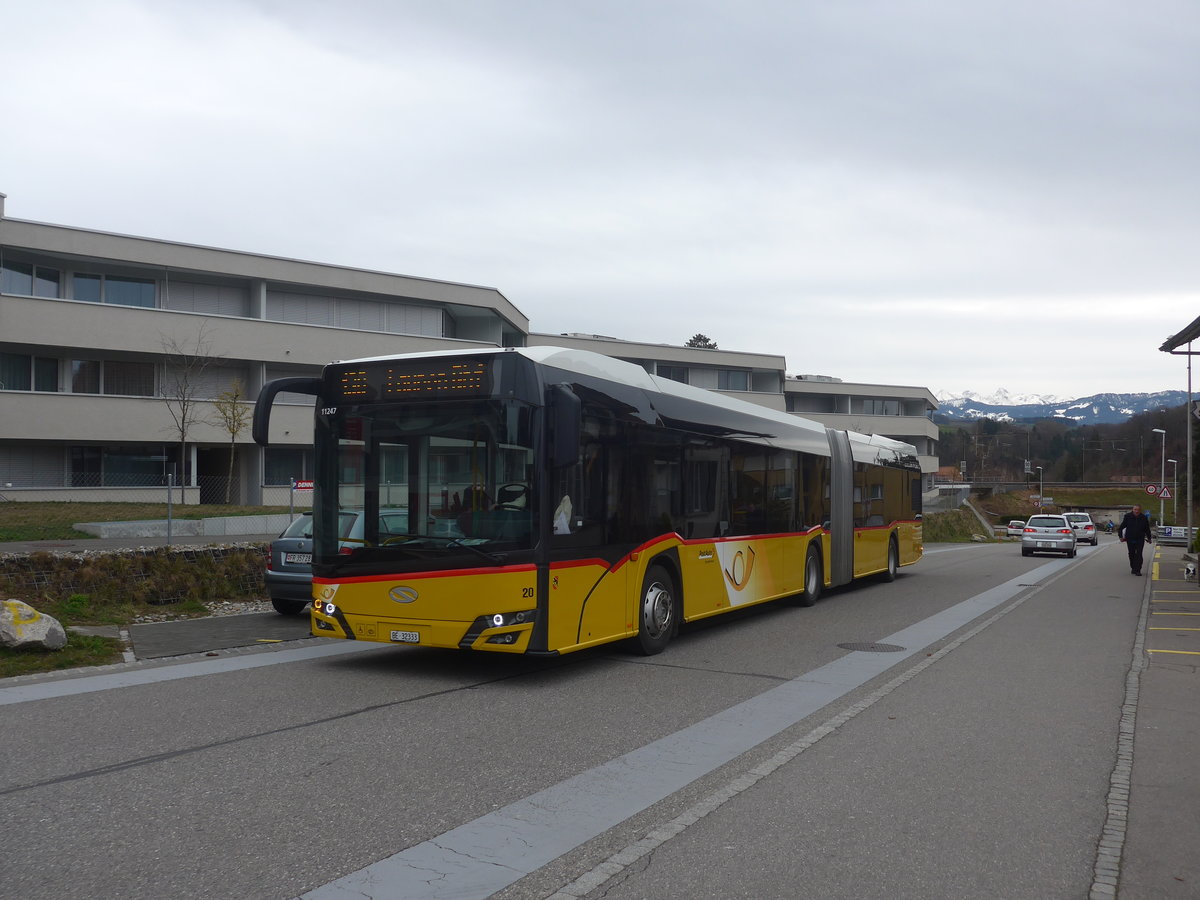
[[893, 563], [814, 578], [657, 612]]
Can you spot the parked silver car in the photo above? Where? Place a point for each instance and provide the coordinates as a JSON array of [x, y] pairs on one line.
[[1048, 534], [1085, 529]]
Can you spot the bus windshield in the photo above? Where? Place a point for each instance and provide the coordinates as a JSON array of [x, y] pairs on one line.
[[430, 478]]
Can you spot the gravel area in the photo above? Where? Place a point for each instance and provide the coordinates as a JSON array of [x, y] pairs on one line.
[[222, 608]]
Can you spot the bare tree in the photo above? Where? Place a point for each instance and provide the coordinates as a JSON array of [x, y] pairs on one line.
[[184, 365], [233, 415]]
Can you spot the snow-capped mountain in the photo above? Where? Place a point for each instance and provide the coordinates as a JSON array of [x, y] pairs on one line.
[[1093, 410], [999, 397]]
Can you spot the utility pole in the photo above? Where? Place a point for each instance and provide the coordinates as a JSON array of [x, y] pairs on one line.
[[1163, 474]]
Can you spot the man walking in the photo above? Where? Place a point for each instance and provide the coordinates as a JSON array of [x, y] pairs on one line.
[[1134, 532]]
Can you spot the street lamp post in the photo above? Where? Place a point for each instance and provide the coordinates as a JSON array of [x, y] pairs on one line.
[[1174, 489], [1041, 491], [1163, 473]]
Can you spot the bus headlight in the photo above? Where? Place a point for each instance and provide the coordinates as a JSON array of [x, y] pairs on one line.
[[500, 620]]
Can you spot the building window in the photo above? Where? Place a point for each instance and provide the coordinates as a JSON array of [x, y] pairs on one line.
[[877, 407], [15, 372], [85, 467], [112, 377], [146, 465], [675, 373], [119, 290], [733, 380], [47, 282], [128, 379], [30, 280], [85, 376], [282, 464], [16, 278], [45, 374], [88, 287], [20, 372]]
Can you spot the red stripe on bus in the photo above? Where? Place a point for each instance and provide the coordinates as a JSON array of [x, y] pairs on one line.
[[414, 576]]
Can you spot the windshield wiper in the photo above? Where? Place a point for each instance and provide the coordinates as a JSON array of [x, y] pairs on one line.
[[496, 559]]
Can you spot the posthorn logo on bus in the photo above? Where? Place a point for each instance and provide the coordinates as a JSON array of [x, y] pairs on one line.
[[403, 594]]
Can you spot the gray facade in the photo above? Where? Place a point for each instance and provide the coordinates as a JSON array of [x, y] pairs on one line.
[[105, 338]]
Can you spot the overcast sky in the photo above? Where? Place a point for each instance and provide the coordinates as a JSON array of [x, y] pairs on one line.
[[959, 195]]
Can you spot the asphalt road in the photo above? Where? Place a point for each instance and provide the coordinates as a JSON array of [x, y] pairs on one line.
[[985, 751]]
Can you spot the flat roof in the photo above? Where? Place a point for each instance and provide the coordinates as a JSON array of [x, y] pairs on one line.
[[1186, 336]]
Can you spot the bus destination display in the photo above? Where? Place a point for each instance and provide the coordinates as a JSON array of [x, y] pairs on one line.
[[428, 379]]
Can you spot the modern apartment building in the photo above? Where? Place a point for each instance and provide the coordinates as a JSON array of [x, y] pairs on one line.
[[118, 355], [107, 340]]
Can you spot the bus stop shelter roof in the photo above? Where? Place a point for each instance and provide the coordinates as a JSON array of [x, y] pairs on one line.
[[1186, 336]]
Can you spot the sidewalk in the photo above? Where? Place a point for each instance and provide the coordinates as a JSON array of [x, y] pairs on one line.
[[1163, 831]]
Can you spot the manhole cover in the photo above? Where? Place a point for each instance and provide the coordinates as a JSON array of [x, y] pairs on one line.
[[873, 648]]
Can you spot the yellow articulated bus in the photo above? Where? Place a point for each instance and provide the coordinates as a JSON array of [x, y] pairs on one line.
[[542, 500]]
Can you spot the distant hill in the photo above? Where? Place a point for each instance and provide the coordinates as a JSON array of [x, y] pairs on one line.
[[1094, 410]]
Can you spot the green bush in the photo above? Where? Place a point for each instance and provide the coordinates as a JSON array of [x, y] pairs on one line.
[[954, 526], [93, 587]]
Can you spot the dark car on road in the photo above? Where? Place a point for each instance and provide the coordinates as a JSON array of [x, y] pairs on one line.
[[289, 567]]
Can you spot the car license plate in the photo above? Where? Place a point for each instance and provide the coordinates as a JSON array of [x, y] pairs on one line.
[[297, 557], [1045, 543], [406, 637]]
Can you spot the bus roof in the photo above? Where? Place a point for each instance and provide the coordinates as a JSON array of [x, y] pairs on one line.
[[774, 427]]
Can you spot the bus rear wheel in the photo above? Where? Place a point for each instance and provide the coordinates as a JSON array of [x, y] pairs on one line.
[[658, 611], [893, 561], [814, 577]]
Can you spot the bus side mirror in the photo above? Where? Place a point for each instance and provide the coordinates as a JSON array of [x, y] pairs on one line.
[[262, 406], [565, 420]]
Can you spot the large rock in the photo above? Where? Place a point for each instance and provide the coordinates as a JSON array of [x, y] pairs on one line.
[[24, 628]]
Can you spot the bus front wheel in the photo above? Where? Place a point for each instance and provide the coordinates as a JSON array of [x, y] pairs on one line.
[[658, 611]]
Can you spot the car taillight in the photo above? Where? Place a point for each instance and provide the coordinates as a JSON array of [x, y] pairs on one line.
[[1089, 527], [269, 569], [1030, 530], [1064, 531], [345, 551]]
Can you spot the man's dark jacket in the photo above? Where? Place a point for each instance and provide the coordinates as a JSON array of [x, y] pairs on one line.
[[1134, 529]]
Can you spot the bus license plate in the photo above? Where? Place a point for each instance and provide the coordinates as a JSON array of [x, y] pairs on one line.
[[297, 557], [406, 637]]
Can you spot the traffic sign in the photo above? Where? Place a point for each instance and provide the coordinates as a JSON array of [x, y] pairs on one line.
[[1152, 489], [1165, 493]]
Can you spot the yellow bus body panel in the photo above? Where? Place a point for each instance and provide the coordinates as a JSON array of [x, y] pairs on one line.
[[589, 603]]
